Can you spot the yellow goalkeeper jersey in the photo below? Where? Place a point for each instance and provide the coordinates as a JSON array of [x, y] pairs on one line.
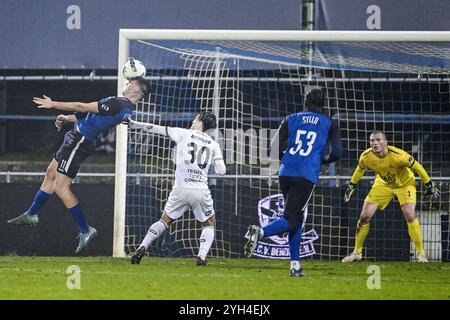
[[392, 170]]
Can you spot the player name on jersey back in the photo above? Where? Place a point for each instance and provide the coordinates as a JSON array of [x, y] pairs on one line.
[[310, 119], [202, 139]]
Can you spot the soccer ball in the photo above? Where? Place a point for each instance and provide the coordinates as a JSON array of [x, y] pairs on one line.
[[133, 69]]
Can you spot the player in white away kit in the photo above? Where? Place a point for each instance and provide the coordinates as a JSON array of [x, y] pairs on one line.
[[196, 151]]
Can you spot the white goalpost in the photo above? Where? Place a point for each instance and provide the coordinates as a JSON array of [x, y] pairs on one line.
[[397, 82]]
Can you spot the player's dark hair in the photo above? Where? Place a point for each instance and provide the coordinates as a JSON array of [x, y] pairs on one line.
[[314, 100], [208, 119], [144, 86]]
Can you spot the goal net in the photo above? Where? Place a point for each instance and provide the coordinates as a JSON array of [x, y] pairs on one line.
[[251, 83]]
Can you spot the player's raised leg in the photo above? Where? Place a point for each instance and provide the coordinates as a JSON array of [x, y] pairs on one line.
[[296, 194], [42, 195], [362, 230], [279, 226]]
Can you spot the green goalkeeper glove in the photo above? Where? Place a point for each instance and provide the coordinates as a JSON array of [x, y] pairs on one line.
[[432, 190], [348, 193]]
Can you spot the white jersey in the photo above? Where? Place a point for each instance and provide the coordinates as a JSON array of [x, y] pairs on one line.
[[195, 152]]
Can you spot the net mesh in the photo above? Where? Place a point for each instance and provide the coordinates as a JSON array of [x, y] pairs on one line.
[[400, 88]]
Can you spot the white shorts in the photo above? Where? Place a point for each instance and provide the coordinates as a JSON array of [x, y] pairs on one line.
[[199, 200]]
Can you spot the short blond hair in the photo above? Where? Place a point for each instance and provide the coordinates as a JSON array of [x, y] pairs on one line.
[[379, 132]]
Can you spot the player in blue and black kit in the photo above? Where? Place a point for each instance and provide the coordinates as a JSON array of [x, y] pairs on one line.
[[303, 138], [92, 119]]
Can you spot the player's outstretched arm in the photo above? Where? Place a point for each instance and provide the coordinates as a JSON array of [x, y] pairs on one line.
[[335, 143], [146, 126], [48, 103], [174, 133]]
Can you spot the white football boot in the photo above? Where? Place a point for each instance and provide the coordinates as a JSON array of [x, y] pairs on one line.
[[422, 258], [353, 257]]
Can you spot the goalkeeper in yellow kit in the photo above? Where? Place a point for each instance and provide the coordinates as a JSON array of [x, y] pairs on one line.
[[394, 177]]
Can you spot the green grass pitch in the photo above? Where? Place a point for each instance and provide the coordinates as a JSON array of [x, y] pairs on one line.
[[223, 279]]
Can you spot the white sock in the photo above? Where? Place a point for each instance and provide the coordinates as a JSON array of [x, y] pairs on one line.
[[206, 240], [153, 233], [295, 265]]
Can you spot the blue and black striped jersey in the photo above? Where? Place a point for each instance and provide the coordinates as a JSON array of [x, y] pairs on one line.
[[112, 111]]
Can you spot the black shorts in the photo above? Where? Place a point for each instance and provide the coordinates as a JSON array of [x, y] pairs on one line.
[[72, 152], [296, 192]]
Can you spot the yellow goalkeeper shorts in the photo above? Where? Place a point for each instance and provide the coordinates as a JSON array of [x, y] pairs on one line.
[[381, 194]]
